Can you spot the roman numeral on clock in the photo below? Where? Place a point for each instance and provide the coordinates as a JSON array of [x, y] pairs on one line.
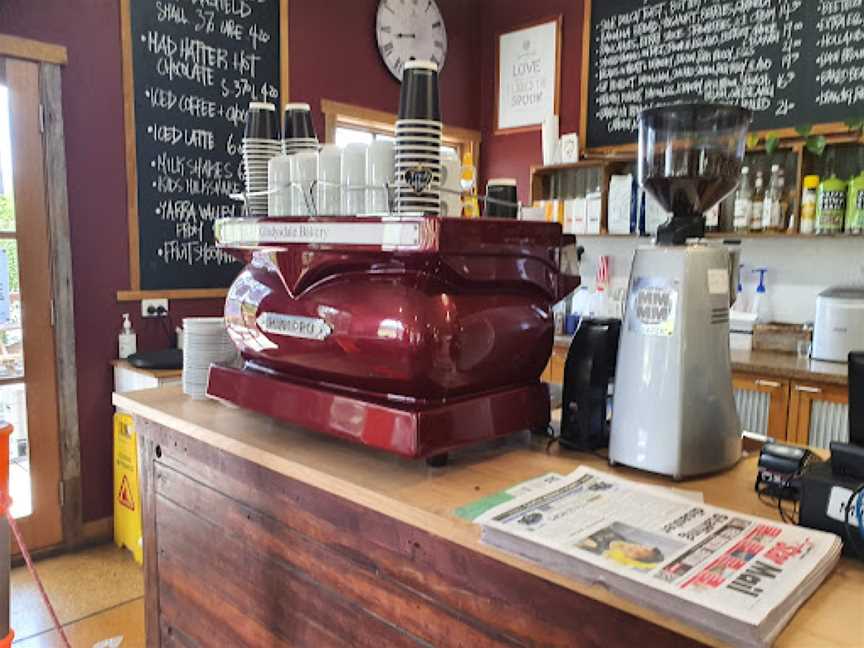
[[386, 48], [438, 45]]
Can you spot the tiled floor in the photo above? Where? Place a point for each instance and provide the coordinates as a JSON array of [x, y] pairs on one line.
[[97, 594]]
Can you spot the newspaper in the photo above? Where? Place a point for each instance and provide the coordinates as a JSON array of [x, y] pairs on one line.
[[706, 565]]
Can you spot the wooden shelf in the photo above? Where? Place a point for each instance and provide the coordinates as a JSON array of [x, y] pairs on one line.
[[570, 166]]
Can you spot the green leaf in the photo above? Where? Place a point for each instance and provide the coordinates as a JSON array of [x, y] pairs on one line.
[[752, 140], [816, 144], [855, 124], [771, 144], [804, 129]]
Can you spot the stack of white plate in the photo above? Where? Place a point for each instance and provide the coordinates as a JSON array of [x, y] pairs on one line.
[[205, 342]]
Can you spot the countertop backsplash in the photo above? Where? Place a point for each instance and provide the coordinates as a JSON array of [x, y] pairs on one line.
[[798, 269]]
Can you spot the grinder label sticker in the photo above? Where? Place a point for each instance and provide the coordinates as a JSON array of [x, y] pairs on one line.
[[308, 328], [653, 307]]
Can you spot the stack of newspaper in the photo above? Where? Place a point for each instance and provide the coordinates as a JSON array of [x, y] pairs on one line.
[[736, 577]]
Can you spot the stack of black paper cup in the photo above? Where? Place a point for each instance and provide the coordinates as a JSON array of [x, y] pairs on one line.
[[418, 141], [260, 144], [502, 199], [298, 131]]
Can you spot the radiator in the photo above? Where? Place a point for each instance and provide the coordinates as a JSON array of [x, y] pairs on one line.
[[753, 407], [828, 422]]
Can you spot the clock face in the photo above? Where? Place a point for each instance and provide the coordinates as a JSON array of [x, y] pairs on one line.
[[410, 29]]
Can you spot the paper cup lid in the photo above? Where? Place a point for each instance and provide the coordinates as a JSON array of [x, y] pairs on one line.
[[261, 105], [297, 106], [502, 182], [421, 65]]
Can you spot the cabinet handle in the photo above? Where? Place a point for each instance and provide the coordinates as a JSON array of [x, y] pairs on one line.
[[767, 383], [809, 390]]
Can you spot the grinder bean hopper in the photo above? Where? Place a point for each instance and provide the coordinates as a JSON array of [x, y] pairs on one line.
[[412, 334]]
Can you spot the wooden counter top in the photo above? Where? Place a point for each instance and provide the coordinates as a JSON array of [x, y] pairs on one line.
[[426, 497], [771, 363], [789, 365]]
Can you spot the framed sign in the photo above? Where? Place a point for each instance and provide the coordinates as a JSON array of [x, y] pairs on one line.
[[528, 81]]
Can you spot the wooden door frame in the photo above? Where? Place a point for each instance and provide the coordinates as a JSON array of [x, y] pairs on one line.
[[44, 527], [38, 66]]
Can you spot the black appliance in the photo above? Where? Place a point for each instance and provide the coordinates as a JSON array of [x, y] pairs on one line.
[[588, 372], [856, 398]]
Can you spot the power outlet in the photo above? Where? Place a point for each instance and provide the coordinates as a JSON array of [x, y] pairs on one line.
[[151, 307]]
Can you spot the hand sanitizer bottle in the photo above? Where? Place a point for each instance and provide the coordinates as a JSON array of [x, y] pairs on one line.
[[761, 307], [127, 340]]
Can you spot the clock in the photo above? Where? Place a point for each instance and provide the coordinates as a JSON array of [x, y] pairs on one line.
[[410, 29]]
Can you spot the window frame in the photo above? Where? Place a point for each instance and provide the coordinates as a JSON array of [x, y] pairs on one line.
[[379, 122]]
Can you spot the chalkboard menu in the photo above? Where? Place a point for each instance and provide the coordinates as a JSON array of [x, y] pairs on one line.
[[792, 62], [196, 65]]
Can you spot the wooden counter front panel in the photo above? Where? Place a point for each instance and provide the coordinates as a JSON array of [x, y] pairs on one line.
[[238, 555]]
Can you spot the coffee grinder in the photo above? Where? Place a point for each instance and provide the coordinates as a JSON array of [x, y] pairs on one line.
[[674, 409]]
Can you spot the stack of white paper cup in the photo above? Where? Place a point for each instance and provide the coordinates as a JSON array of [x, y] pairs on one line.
[[418, 140]]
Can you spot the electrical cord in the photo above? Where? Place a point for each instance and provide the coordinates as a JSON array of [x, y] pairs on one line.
[[787, 516], [859, 513], [850, 534]]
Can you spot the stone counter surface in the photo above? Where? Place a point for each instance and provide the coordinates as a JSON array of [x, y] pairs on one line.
[[770, 363]]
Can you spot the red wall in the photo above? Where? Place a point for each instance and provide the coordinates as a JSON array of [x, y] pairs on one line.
[[333, 55], [511, 156]]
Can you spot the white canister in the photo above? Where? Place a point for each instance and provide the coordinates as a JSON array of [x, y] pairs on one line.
[[551, 142], [380, 173], [354, 179], [451, 175], [329, 191], [279, 171]]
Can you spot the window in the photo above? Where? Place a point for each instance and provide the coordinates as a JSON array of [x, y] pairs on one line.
[[346, 124]]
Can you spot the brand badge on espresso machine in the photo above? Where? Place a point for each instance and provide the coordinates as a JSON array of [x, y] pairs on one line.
[[309, 328]]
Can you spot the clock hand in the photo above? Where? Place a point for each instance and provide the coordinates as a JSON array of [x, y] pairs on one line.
[[406, 35]]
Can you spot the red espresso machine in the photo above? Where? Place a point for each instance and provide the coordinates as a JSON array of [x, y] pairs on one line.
[[413, 334]]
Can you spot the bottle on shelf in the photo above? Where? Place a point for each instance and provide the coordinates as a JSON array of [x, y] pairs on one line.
[[782, 195], [758, 203], [743, 203], [468, 183], [771, 211], [808, 204], [830, 200], [712, 219], [593, 197], [855, 199]]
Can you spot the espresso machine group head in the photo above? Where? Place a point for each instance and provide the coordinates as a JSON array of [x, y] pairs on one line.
[[674, 409]]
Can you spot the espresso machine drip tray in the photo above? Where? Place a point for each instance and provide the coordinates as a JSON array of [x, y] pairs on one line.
[[412, 334]]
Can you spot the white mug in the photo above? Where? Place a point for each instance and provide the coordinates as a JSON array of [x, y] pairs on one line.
[[304, 172], [380, 171], [279, 176], [329, 191], [354, 179]]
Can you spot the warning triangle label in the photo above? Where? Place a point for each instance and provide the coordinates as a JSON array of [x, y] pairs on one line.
[[125, 494]]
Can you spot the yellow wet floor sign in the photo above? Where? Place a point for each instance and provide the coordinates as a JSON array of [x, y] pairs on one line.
[[127, 512]]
